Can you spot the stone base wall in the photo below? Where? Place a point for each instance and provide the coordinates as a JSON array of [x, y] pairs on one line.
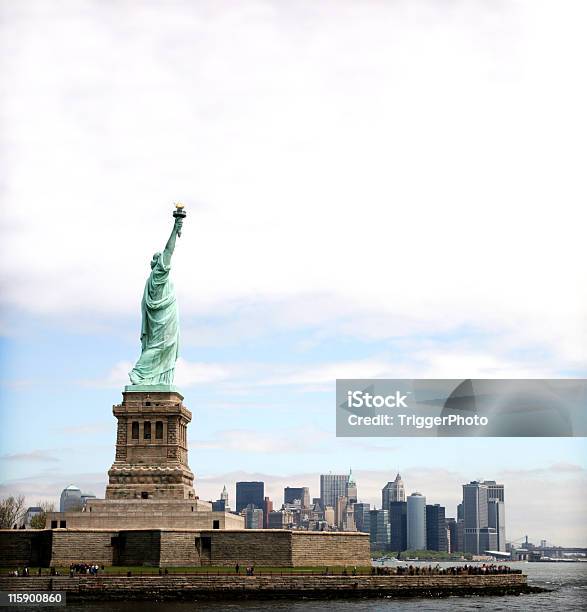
[[182, 547], [76, 546], [20, 547], [330, 548], [194, 587], [269, 547]]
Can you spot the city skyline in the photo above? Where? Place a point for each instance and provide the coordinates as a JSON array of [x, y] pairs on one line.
[[330, 235], [428, 501]]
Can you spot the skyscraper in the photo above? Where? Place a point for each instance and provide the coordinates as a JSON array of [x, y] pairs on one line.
[[267, 509], [496, 520], [290, 494], [436, 528], [416, 522], [380, 532], [332, 486], [398, 518], [363, 517], [253, 517], [483, 516], [71, 499], [351, 488], [474, 515], [250, 493], [224, 496], [393, 491], [496, 511]]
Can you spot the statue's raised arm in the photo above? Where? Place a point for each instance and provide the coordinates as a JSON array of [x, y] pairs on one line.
[[160, 320], [170, 246]]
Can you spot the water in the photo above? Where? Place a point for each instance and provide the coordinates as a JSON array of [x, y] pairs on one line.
[[568, 581]]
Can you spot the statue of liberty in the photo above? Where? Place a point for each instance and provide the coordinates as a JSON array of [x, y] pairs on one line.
[[160, 319]]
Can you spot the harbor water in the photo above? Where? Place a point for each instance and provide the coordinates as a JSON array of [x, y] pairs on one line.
[[567, 582]]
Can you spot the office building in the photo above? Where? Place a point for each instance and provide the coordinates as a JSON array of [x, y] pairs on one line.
[[416, 522], [380, 532], [30, 514], [71, 499], [453, 535], [332, 486], [436, 528], [224, 497], [496, 520], [483, 509], [362, 517], [267, 509], [475, 516], [494, 490], [253, 517], [249, 493], [85, 497], [291, 494], [398, 519], [393, 491], [351, 489], [219, 505], [487, 540]]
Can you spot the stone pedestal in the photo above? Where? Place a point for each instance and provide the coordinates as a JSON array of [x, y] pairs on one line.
[[151, 446]]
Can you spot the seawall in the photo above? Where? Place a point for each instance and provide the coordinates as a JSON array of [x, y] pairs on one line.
[[193, 587]]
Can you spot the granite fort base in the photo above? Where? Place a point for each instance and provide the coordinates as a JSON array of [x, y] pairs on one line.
[[179, 548]]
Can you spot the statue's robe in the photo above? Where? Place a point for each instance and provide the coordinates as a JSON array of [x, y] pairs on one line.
[[159, 330]]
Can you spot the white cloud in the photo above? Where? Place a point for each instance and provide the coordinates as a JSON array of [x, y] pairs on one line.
[[419, 163]]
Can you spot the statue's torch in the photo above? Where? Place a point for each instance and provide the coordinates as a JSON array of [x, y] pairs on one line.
[[179, 213]]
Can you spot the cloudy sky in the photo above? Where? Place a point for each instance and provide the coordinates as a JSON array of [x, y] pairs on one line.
[[374, 189]]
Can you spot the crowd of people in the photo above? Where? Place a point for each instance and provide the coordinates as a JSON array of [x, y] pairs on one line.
[[84, 568], [467, 570]]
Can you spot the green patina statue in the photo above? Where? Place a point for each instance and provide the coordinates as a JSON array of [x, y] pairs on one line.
[[160, 319]]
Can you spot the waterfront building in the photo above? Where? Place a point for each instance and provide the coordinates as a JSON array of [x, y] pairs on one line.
[[436, 528], [452, 536], [332, 486], [291, 494], [416, 521], [250, 493], [474, 515], [71, 499], [487, 540], [398, 519], [362, 517], [393, 491], [483, 508], [496, 520], [380, 532]]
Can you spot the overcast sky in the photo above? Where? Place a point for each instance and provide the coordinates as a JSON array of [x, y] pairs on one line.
[[373, 189]]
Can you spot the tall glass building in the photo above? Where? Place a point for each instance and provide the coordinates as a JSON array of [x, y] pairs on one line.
[[416, 522], [250, 493], [332, 486]]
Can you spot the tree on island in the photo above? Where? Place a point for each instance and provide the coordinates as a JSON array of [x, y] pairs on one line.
[[11, 511]]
